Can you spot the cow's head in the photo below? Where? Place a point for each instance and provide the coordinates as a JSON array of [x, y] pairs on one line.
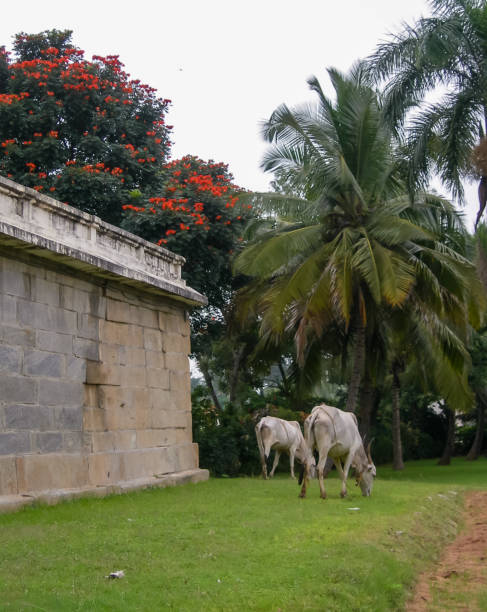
[[366, 474]]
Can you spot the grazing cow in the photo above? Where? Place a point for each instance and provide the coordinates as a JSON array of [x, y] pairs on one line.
[[335, 433], [280, 435]]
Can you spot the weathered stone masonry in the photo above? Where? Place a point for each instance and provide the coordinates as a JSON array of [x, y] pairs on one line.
[[94, 343]]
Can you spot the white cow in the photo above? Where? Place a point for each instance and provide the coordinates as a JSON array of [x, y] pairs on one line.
[[280, 435], [335, 433]]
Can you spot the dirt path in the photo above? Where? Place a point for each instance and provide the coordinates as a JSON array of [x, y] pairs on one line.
[[461, 572]]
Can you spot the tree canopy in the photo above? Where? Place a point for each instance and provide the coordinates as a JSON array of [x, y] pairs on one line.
[[78, 130]]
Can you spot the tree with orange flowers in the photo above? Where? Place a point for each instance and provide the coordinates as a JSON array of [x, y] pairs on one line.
[[78, 130]]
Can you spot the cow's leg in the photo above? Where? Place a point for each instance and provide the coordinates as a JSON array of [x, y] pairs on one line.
[[346, 468], [276, 461], [302, 493], [338, 465], [292, 450], [321, 468]]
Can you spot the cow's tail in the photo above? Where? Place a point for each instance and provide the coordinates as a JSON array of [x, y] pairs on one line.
[[264, 441], [258, 435]]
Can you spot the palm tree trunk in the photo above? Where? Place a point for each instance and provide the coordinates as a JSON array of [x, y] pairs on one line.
[[367, 400], [397, 462], [357, 366], [450, 438], [209, 383], [476, 449]]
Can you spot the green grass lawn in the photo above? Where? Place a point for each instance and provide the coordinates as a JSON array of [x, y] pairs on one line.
[[236, 544]]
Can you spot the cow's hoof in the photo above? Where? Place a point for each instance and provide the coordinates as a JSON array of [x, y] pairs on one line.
[[343, 494], [323, 495], [302, 495]]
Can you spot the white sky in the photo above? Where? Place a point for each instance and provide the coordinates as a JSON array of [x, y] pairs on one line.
[[226, 65]]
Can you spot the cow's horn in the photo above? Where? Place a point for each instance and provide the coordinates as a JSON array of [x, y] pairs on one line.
[[368, 451]]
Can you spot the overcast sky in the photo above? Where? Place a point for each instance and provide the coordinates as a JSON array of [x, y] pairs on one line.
[[225, 65]]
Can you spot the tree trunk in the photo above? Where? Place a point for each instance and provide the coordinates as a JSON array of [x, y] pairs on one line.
[[367, 400], [237, 362], [398, 462], [209, 383], [450, 438], [357, 366], [476, 449]]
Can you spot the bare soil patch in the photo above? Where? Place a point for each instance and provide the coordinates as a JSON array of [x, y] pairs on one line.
[[461, 573]]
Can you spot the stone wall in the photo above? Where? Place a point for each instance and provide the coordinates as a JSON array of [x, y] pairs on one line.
[[94, 369]]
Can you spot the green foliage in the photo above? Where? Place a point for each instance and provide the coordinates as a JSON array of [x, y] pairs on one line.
[[447, 49], [226, 440], [332, 268], [78, 130]]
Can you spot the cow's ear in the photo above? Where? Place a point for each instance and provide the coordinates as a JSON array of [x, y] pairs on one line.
[[370, 468]]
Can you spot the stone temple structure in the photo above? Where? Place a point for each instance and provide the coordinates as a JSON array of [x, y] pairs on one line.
[[94, 343]]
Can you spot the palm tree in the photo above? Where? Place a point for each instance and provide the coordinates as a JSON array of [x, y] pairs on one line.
[[328, 264], [448, 49]]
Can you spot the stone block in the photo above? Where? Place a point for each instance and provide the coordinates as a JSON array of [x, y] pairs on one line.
[[87, 349], [177, 362], [106, 468], [45, 291], [166, 417], [81, 299], [88, 326], [98, 304], [10, 359], [73, 441], [14, 280], [113, 441], [173, 322], [155, 359], [18, 389], [152, 339], [42, 363], [42, 316], [60, 393], [15, 443], [179, 381], [132, 356], [17, 336], [90, 395], [182, 399], [28, 417], [158, 379], [76, 369], [162, 398], [109, 396], [119, 311], [8, 476], [176, 343], [144, 316], [8, 309], [68, 418], [120, 417], [54, 342], [66, 297], [93, 419], [103, 374], [150, 438], [121, 333], [48, 442], [142, 401], [132, 376], [111, 353], [51, 471]]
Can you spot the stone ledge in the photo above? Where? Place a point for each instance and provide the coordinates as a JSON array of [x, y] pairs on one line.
[[51, 230], [13, 503]]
